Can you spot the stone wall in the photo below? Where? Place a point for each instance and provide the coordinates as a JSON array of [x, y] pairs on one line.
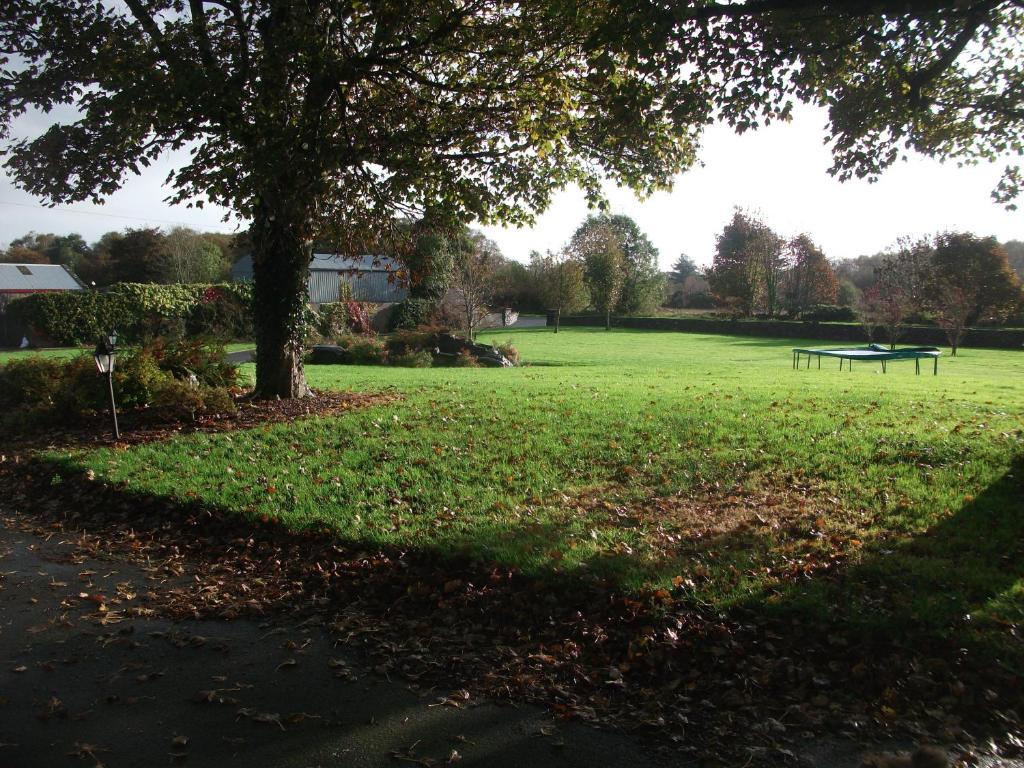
[[991, 338]]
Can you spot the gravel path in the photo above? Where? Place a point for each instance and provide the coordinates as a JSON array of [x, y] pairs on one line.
[[147, 692]]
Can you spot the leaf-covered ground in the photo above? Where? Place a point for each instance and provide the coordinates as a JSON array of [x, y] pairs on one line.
[[648, 527]]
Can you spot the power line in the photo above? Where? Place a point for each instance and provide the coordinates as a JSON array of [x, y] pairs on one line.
[[97, 213]]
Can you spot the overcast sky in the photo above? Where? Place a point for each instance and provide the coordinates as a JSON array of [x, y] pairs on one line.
[[779, 172]]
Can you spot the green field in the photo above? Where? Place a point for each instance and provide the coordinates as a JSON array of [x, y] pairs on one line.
[[62, 352], [28, 354], [701, 464]]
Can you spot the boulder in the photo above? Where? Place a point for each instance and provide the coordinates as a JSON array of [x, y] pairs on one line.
[[449, 347]]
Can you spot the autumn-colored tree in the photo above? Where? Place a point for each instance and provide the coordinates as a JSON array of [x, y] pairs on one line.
[[19, 254], [967, 279], [809, 280], [748, 265], [895, 294]]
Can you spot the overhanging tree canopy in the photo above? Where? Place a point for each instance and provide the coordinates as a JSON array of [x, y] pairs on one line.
[[326, 118]]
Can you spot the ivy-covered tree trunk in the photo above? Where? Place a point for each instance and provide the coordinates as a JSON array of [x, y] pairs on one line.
[[282, 250]]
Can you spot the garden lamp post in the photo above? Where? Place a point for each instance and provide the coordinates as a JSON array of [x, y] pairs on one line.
[[104, 357]]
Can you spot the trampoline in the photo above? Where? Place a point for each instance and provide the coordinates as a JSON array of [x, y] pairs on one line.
[[871, 352]]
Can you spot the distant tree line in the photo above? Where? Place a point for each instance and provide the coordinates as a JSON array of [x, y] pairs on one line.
[[609, 265], [143, 255], [953, 280], [858, 274], [456, 276]]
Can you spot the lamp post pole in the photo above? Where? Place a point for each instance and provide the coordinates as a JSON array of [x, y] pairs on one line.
[[104, 357], [113, 405]]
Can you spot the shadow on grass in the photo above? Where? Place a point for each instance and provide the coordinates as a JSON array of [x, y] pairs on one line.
[[954, 581], [875, 643]]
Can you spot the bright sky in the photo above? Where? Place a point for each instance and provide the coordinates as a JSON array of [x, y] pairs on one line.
[[779, 171]]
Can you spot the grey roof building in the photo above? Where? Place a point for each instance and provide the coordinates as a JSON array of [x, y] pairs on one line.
[[372, 278], [22, 279]]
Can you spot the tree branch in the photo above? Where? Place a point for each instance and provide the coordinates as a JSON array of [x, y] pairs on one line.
[[855, 8], [202, 36], [922, 77], [149, 25]]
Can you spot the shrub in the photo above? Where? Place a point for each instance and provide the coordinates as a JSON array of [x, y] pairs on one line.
[[676, 299], [29, 382], [420, 359], [180, 400], [179, 379], [204, 359], [137, 379], [221, 314], [217, 400], [72, 317], [700, 301], [332, 320], [81, 391], [367, 352], [413, 339], [413, 313], [136, 311], [466, 359], [509, 351], [359, 317], [829, 313]]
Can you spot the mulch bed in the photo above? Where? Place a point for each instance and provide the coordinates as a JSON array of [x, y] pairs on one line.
[[144, 425], [716, 689]]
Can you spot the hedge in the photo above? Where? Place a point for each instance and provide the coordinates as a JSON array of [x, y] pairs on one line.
[[136, 311], [991, 338]]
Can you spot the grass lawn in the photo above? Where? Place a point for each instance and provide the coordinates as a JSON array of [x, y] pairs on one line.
[[59, 352], [703, 466]]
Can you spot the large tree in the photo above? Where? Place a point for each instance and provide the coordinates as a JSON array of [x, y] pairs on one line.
[[603, 268], [895, 295], [562, 283], [643, 285], [809, 279], [305, 116], [747, 266], [967, 279], [683, 267], [189, 257], [475, 260], [132, 256], [70, 250]]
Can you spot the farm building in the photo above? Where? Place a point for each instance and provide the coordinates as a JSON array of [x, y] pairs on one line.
[[22, 279], [19, 280], [372, 278]]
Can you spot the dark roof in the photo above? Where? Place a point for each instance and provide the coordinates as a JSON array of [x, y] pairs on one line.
[[27, 278], [329, 262]]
